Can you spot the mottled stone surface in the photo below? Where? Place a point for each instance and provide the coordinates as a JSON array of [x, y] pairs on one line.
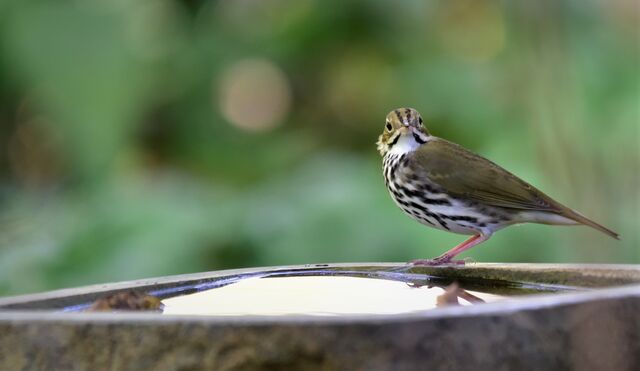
[[594, 330]]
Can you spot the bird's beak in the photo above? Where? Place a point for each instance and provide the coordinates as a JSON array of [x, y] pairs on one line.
[[404, 130]]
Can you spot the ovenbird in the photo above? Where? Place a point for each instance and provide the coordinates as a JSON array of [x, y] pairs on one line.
[[445, 186]]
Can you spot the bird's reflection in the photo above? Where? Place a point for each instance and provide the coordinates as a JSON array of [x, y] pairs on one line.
[[451, 294]]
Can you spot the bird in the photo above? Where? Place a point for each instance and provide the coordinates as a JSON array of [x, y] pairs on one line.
[[446, 186]]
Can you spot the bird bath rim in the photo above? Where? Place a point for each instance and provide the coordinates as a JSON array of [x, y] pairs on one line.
[[597, 282]]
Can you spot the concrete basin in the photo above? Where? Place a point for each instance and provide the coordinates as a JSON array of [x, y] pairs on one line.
[[370, 316]]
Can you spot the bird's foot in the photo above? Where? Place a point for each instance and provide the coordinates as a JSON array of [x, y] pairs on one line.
[[436, 262]]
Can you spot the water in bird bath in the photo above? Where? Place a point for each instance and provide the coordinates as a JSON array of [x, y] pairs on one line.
[[343, 292]]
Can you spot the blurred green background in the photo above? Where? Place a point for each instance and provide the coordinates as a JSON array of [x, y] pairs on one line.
[[143, 138]]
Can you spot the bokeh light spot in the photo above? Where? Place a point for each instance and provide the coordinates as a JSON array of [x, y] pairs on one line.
[[255, 95]]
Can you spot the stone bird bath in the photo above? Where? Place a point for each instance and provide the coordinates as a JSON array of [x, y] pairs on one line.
[[339, 316]]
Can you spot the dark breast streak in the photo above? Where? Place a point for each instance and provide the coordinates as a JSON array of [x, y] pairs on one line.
[[407, 188]]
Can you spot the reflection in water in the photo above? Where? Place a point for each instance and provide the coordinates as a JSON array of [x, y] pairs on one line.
[[452, 293], [321, 295]]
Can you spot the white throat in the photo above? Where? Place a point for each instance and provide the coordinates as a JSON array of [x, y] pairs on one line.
[[407, 143]]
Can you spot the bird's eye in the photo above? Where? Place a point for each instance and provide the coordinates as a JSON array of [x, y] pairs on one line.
[[420, 119], [389, 127]]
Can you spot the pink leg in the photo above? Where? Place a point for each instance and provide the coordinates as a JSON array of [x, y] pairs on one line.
[[447, 257]]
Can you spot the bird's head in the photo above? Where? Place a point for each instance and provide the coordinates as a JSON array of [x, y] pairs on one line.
[[403, 132]]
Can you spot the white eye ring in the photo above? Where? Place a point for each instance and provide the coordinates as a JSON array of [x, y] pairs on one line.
[[388, 126]]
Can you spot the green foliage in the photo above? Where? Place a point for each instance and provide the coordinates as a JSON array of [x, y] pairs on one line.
[[146, 138]]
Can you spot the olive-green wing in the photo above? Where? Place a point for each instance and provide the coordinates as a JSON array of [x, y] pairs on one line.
[[463, 173]]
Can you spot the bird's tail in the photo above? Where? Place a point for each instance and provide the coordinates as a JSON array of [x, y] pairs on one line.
[[574, 215]]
